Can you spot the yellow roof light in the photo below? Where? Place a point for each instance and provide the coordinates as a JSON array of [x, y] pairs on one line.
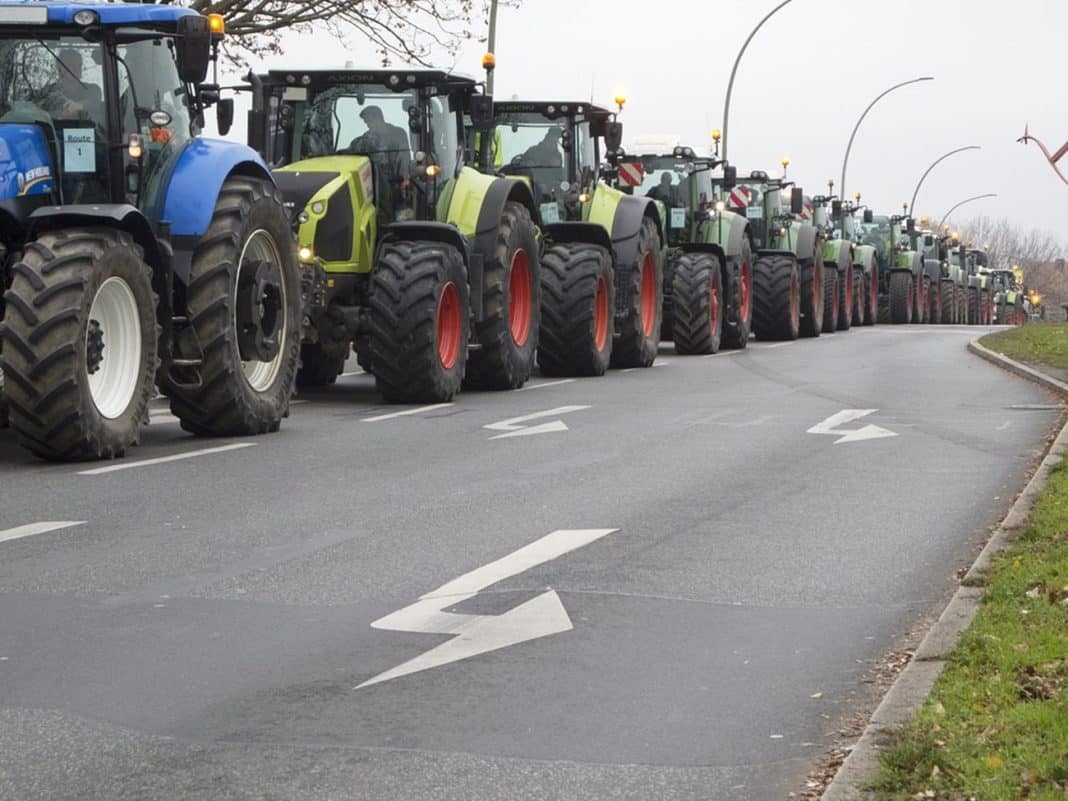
[[856, 196], [716, 134], [489, 61], [216, 24], [620, 98], [785, 162]]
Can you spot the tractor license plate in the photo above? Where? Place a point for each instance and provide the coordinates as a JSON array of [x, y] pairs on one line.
[[23, 16], [550, 213]]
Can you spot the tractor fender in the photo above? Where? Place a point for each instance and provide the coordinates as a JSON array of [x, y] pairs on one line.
[[193, 185], [864, 257], [837, 252], [497, 193], [727, 230], [805, 242], [705, 247], [567, 232], [933, 268], [627, 225], [121, 216]]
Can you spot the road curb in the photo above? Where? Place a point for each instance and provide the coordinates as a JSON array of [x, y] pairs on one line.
[[1019, 369], [912, 687]]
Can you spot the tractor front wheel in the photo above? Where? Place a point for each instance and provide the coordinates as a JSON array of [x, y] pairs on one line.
[[511, 298], [321, 363], [949, 303], [740, 319], [858, 296], [871, 297], [245, 305], [419, 322], [698, 292], [776, 298], [902, 297], [639, 294], [845, 299], [934, 303], [831, 299], [79, 344], [577, 300], [812, 297]]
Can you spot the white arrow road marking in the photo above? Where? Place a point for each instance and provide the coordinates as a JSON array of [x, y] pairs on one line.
[[830, 426], [479, 634], [515, 428], [18, 532]]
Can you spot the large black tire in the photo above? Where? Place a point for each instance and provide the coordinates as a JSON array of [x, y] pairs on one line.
[[321, 364], [871, 298], [919, 303], [250, 227], [948, 314], [845, 299], [77, 390], [973, 305], [934, 303], [858, 296], [511, 300], [639, 303], [419, 322], [577, 303], [999, 313], [699, 306], [902, 297], [739, 321], [831, 299], [812, 297], [776, 298], [667, 321]]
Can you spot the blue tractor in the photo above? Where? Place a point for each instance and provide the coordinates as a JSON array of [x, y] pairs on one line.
[[133, 252]]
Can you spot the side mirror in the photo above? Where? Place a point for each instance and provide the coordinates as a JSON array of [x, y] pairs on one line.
[[797, 200], [730, 177], [836, 209], [193, 48], [613, 136], [224, 115], [868, 216], [256, 135], [928, 240], [481, 109], [910, 225]]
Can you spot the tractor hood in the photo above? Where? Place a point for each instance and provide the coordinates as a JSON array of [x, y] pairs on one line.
[[25, 163]]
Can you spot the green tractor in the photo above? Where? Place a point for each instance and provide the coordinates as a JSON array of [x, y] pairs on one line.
[[602, 247], [903, 281], [788, 292], [1008, 297], [426, 267], [844, 285], [985, 311], [929, 246], [865, 261], [708, 271], [960, 271]]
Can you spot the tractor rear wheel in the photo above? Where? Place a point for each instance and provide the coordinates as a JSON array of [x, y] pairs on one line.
[[577, 301], [776, 298], [698, 291], [949, 303], [321, 364], [244, 301], [831, 299], [639, 296], [740, 317], [845, 299], [419, 322], [934, 303], [80, 344], [973, 305], [919, 308], [858, 296], [902, 297], [511, 298], [812, 297]]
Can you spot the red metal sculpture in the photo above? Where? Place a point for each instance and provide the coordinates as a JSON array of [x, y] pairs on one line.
[[1051, 159]]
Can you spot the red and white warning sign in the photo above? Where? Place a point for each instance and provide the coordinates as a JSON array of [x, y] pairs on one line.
[[807, 210], [631, 173], [739, 197]]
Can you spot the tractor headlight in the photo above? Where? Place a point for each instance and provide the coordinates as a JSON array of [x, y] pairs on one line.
[[306, 254], [584, 197], [303, 217], [86, 17], [720, 206]]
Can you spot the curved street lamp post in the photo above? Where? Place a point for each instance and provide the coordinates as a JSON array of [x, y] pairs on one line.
[[937, 161], [946, 216], [845, 161]]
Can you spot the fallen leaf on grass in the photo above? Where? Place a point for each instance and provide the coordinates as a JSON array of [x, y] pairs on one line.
[[994, 762]]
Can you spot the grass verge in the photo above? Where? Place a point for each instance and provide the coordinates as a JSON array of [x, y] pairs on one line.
[[995, 727], [1034, 343]]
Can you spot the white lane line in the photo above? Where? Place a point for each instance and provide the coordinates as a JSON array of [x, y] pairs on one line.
[[352, 373], [295, 400], [18, 532], [406, 412], [778, 345], [156, 417], [96, 471], [547, 384]]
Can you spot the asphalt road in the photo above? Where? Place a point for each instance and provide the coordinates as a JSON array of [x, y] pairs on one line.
[[724, 585]]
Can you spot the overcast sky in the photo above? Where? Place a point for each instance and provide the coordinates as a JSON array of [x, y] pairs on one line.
[[804, 81]]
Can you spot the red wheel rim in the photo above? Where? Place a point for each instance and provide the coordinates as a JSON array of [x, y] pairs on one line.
[[449, 325], [713, 307], [745, 291], [648, 301], [600, 314], [817, 287], [519, 297]]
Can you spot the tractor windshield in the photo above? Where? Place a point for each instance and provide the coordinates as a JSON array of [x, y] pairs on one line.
[[56, 84], [670, 181], [532, 146]]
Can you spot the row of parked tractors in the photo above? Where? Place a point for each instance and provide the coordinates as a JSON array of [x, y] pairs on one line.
[[449, 241]]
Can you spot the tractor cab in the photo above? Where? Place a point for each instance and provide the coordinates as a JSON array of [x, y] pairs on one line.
[[764, 202], [393, 138], [556, 148]]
